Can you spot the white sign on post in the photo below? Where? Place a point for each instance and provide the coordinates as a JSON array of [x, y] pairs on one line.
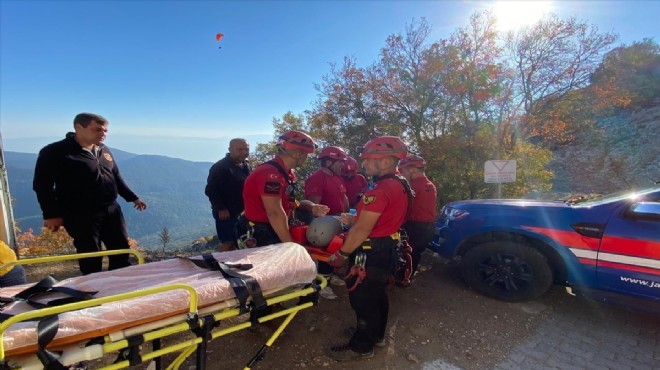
[[499, 171]]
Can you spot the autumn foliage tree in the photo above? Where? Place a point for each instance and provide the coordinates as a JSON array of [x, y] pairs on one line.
[[347, 112], [627, 78], [552, 59], [479, 95], [48, 243], [451, 100], [408, 82], [45, 243]]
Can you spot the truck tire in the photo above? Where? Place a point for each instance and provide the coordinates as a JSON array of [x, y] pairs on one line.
[[505, 270]]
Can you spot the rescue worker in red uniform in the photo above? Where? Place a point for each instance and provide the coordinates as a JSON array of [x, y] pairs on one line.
[[354, 182], [326, 186], [371, 243], [269, 193], [420, 221]]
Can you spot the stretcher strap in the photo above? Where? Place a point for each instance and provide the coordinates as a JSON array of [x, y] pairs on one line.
[[46, 331], [244, 286], [47, 328], [47, 285], [44, 286], [236, 284], [247, 281]]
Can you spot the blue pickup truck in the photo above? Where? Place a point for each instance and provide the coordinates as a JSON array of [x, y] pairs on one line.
[[514, 250]]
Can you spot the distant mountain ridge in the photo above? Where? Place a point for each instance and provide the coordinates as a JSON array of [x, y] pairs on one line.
[[622, 153], [173, 189]]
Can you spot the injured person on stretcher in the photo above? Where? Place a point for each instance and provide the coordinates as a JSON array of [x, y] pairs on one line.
[[86, 317]]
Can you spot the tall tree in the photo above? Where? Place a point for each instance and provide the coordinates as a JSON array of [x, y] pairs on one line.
[[408, 80], [483, 128], [347, 112], [552, 58], [477, 77]]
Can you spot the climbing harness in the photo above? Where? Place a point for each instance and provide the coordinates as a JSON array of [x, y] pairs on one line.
[[358, 270]]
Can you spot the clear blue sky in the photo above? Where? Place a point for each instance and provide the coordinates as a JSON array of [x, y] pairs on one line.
[[155, 70]]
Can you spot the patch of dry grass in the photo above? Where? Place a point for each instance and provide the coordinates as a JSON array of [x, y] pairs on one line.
[[59, 270]]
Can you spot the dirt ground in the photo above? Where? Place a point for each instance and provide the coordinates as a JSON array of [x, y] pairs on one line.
[[439, 324], [436, 318]]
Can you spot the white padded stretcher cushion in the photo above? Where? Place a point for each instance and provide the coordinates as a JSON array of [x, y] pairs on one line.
[[275, 267]]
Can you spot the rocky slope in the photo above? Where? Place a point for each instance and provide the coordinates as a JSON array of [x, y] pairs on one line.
[[623, 151]]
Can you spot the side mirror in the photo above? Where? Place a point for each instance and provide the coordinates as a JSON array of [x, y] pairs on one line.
[[645, 211]]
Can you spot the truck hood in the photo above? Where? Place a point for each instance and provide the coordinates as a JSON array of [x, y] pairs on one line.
[[509, 202]]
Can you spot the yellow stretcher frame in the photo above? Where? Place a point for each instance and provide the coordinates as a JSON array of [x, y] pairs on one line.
[[77, 256], [124, 340]]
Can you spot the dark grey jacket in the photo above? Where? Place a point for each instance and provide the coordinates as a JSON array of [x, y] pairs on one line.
[[224, 185]]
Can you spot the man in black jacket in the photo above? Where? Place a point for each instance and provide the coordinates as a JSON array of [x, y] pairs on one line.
[[224, 187], [77, 182]]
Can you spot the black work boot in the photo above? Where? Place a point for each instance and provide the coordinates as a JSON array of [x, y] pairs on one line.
[[380, 342], [343, 353]]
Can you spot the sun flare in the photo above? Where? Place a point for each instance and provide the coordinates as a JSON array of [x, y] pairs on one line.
[[512, 15]]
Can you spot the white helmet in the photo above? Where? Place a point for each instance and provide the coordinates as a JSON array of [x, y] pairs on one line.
[[322, 229]]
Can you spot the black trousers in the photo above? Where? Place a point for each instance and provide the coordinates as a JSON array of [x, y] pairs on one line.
[[420, 235], [369, 300], [102, 225], [262, 232]]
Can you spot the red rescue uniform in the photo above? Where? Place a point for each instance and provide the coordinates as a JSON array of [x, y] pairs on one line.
[[266, 180], [355, 187], [424, 204], [330, 188], [387, 197], [420, 224]]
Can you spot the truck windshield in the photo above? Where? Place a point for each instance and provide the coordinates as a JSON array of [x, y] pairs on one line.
[[614, 197]]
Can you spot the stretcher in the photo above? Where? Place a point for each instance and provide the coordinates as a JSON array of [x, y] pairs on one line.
[[298, 233], [147, 303], [403, 255]]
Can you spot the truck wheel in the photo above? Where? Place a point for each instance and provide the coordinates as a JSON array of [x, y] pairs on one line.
[[508, 271]]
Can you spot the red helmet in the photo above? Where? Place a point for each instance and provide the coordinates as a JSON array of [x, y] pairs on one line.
[[350, 166], [332, 152], [296, 140], [384, 146], [412, 161]]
